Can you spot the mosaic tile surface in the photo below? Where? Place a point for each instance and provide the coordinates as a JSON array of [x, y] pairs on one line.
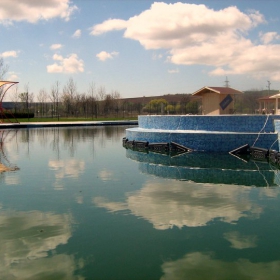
[[209, 133]]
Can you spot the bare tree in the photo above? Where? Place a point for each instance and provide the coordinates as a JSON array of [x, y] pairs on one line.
[[116, 101], [54, 96], [25, 98], [68, 96], [108, 103], [101, 94], [93, 99], [115, 95], [3, 71], [3, 68], [77, 104], [84, 100], [31, 99], [15, 97], [42, 99]]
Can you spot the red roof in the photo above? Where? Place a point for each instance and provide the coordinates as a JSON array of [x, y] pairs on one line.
[[269, 98], [218, 90]]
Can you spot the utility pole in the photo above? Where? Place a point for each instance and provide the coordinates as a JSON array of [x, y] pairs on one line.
[[268, 86], [27, 99], [226, 82]]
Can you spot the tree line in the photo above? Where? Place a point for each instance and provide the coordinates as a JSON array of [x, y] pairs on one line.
[[67, 101], [97, 102]]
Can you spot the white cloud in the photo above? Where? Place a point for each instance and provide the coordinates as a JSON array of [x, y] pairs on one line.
[[269, 37], [258, 61], [77, 33], [12, 76], [157, 56], [33, 11], [9, 54], [105, 55], [173, 71], [177, 25], [70, 64], [55, 46], [108, 25], [57, 57], [195, 34]]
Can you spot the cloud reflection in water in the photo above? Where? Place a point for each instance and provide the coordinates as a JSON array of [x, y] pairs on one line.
[[66, 168], [175, 203], [200, 266], [28, 243]]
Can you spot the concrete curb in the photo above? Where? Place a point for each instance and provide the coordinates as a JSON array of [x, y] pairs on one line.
[[64, 124]]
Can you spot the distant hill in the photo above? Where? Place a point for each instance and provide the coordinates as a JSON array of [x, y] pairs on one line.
[[170, 98]]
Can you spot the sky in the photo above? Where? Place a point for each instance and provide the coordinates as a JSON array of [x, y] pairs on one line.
[[141, 47]]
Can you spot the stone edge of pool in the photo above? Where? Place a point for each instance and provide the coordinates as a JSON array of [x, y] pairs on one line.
[[64, 124]]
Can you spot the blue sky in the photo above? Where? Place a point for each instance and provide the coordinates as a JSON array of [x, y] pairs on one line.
[[141, 47]]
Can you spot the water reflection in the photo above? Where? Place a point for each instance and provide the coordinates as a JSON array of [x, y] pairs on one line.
[[207, 168], [66, 168], [171, 203], [198, 266], [69, 138], [5, 164], [184, 202], [27, 240], [36, 224], [143, 216], [241, 241]]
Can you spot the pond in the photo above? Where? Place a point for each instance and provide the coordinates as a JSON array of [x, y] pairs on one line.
[[76, 204]]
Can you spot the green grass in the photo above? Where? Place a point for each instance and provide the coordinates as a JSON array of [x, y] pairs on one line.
[[70, 119]]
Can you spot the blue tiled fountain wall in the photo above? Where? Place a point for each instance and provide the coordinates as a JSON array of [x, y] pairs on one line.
[[209, 133]]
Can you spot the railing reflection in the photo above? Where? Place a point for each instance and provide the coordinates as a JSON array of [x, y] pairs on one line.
[[207, 168]]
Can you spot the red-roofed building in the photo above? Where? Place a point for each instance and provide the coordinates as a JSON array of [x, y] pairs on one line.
[[269, 104], [217, 100]]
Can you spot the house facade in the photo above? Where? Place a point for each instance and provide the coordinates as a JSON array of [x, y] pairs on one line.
[[217, 100]]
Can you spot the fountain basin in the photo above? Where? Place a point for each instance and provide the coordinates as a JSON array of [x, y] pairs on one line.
[[209, 133]]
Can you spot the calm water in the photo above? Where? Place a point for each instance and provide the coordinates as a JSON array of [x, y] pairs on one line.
[[81, 206]]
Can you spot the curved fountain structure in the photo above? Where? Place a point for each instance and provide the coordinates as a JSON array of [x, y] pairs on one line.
[[221, 133]]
